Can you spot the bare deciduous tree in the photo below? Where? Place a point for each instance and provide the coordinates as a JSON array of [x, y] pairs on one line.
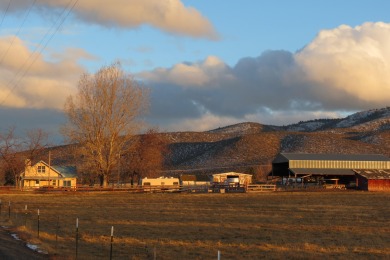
[[34, 144], [15, 151], [10, 159], [146, 157], [102, 117]]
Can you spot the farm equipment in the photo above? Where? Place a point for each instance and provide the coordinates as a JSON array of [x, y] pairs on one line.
[[333, 184]]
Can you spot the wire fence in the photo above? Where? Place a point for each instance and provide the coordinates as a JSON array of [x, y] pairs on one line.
[[73, 241]]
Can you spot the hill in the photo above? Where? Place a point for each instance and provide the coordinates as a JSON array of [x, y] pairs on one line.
[[250, 147], [245, 146]]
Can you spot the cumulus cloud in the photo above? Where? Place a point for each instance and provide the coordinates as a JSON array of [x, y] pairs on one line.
[[344, 69], [29, 81], [353, 62], [168, 15], [188, 75]]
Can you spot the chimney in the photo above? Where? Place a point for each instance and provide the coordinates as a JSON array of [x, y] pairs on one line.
[[27, 163]]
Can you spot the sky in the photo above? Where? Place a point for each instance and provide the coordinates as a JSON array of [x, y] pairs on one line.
[[208, 64]]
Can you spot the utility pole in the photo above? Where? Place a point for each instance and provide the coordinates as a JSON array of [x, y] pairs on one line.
[[119, 167], [48, 181]]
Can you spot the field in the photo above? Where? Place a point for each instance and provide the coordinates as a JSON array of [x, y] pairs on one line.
[[295, 225]]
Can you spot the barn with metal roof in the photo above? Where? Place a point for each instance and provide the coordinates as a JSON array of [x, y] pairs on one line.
[[340, 167]]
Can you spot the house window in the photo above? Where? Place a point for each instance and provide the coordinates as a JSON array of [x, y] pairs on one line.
[[67, 183], [54, 183], [146, 183], [37, 182], [41, 169]]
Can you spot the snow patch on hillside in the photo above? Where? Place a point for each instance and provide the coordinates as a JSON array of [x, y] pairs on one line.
[[379, 124], [367, 120], [239, 129], [306, 126], [370, 120]]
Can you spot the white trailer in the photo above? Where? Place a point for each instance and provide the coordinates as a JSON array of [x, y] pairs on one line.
[[160, 181]]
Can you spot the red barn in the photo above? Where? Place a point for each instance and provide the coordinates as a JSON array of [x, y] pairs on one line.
[[373, 180]]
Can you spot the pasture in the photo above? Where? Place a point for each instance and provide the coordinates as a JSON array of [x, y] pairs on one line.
[[308, 225]]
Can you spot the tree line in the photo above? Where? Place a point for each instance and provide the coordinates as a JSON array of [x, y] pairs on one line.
[[102, 134]]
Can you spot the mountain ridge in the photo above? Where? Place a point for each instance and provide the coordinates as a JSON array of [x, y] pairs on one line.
[[249, 145]]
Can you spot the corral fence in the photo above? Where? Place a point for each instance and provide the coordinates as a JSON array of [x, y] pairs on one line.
[[212, 188], [8, 188], [261, 187]]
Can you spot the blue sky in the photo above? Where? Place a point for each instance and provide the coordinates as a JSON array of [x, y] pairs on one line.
[[208, 63]]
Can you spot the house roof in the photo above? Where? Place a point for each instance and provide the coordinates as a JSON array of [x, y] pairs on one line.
[[285, 157], [66, 171], [315, 171], [374, 174]]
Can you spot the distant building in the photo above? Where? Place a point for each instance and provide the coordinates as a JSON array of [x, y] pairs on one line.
[[41, 174], [232, 178], [373, 180], [344, 168]]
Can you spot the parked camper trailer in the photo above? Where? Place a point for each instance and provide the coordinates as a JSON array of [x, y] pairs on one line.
[[161, 181]]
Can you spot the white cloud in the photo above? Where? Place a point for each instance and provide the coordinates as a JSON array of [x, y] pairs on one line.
[[204, 123], [208, 121], [168, 15], [344, 69], [355, 61], [189, 75], [29, 81]]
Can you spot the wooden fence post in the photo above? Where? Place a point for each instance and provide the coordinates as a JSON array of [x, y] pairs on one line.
[[112, 240], [57, 229], [38, 223], [77, 235], [25, 215]]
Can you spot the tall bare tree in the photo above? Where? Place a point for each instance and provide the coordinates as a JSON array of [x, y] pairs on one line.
[[102, 117]]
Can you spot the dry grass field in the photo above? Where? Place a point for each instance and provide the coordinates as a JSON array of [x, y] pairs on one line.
[[293, 225]]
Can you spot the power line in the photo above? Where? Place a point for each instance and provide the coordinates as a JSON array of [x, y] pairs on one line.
[[37, 53], [20, 28], [5, 13]]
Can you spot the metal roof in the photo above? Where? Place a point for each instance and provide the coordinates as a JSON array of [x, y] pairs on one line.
[[307, 171], [330, 157], [374, 174], [66, 171]]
